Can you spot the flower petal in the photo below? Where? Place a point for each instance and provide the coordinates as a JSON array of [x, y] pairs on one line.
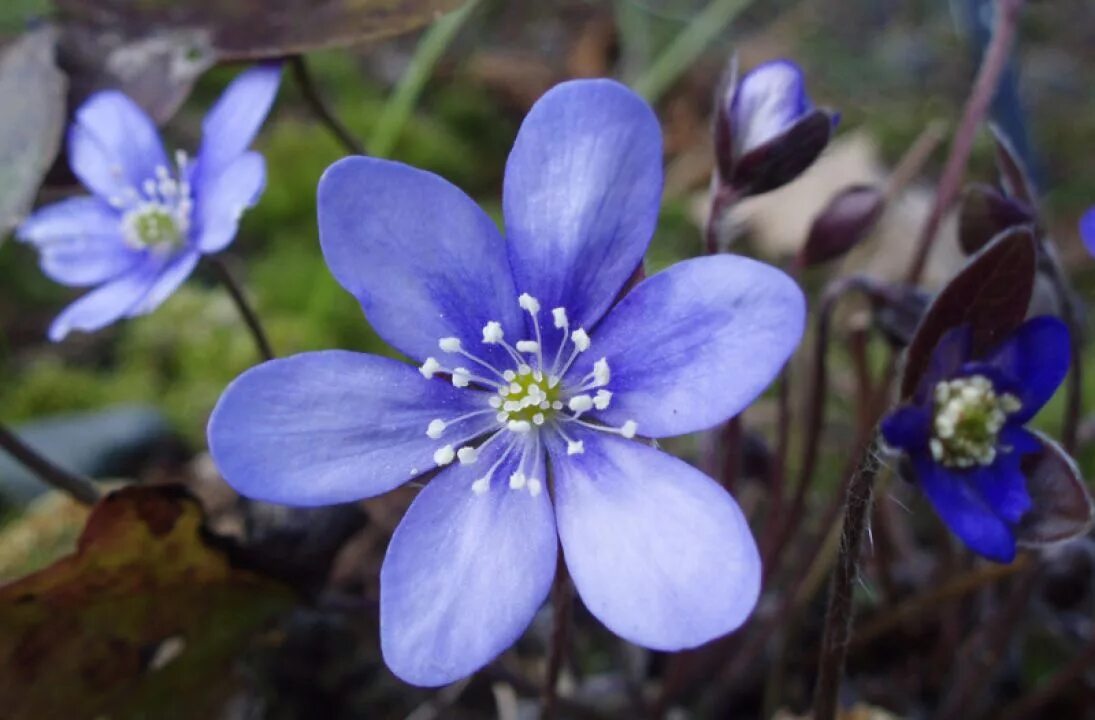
[[767, 100], [582, 194], [1087, 229], [108, 302], [907, 428], [328, 427], [231, 125], [658, 551], [695, 344], [465, 574], [1004, 488], [950, 353], [79, 241], [221, 201], [1037, 356], [114, 145], [964, 511], [173, 274], [422, 258]]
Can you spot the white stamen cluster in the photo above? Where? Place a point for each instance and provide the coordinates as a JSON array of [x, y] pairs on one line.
[[526, 399], [157, 215], [969, 415]]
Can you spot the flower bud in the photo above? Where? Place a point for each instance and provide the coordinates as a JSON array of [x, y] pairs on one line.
[[767, 131], [986, 213], [849, 218]]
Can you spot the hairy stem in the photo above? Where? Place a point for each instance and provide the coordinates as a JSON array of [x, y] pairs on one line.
[[321, 109], [838, 617], [78, 487], [562, 603], [984, 89], [247, 312]]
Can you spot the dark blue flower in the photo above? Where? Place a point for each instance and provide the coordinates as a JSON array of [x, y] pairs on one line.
[[531, 395], [963, 429], [1087, 230], [149, 219]]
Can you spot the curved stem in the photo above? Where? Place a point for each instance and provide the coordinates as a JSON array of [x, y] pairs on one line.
[[247, 312], [838, 617], [562, 596], [80, 488], [320, 108], [984, 88]]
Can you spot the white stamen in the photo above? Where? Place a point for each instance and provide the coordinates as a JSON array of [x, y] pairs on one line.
[[601, 374], [436, 428], [629, 428], [580, 403], [492, 333], [467, 455], [534, 487], [517, 480], [580, 339], [603, 398], [430, 368], [538, 419], [449, 344], [529, 303], [528, 346], [481, 485], [560, 317], [494, 401], [444, 455], [575, 447], [519, 426], [461, 377]]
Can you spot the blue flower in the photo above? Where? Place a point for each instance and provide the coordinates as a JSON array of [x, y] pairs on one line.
[[1087, 229], [533, 395], [140, 233], [767, 131], [963, 429]]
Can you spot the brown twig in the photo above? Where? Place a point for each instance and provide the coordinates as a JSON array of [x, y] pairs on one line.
[[320, 108], [984, 88], [838, 617], [247, 312], [80, 488]]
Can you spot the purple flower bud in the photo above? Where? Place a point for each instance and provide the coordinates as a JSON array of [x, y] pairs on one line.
[[986, 213], [849, 217], [767, 131]]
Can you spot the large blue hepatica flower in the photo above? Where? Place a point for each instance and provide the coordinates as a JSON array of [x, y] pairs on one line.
[[1087, 230], [140, 233], [531, 394], [963, 429]]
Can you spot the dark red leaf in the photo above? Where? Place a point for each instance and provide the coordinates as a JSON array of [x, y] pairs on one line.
[[991, 294], [1062, 504], [1014, 174], [986, 213]]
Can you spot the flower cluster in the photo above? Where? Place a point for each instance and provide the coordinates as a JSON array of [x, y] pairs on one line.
[[149, 218], [535, 398], [963, 429]]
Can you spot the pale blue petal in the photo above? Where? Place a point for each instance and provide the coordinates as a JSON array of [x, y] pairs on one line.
[[424, 261], [464, 573], [220, 202], [108, 302], [658, 551], [581, 196], [113, 145], [79, 241], [329, 427], [696, 344], [234, 121], [173, 274], [766, 102]]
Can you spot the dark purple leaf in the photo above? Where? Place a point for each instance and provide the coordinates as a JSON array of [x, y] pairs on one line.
[[256, 29], [32, 121], [991, 294], [1062, 505], [986, 213], [783, 158], [847, 220]]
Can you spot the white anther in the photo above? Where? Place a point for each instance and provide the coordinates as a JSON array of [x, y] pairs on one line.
[[181, 159], [494, 401], [524, 370], [511, 406], [557, 405], [444, 455], [527, 346], [528, 302], [449, 344], [603, 398], [509, 376], [502, 417], [149, 187], [575, 447], [534, 487], [517, 480], [519, 426], [580, 403], [492, 333], [601, 374], [514, 388], [467, 455], [430, 368], [629, 428], [538, 419], [461, 377], [481, 485], [560, 317], [435, 429], [544, 405], [580, 339]]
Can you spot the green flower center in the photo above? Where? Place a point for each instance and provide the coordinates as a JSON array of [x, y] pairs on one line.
[[969, 415], [153, 226], [531, 397]]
